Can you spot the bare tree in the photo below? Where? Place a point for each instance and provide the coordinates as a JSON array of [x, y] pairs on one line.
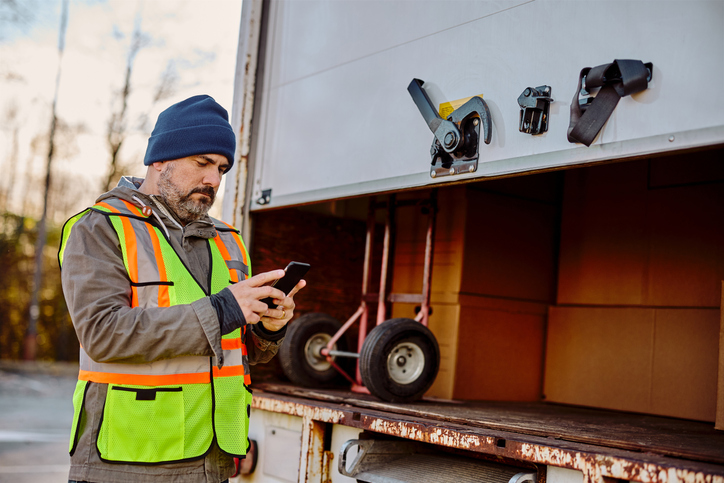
[[118, 123], [11, 115], [31, 332], [164, 89]]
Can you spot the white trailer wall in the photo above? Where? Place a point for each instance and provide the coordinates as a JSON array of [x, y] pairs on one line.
[[334, 118]]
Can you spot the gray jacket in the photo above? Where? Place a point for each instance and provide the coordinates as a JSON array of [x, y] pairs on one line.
[[97, 291]]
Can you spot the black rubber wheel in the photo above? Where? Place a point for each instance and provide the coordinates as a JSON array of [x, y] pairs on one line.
[[299, 354], [399, 360]]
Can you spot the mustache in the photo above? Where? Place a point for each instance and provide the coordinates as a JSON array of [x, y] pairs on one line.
[[204, 190]]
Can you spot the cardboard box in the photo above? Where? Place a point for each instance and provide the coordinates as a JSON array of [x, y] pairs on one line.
[[649, 360], [500, 349], [493, 278], [637, 325], [624, 242]]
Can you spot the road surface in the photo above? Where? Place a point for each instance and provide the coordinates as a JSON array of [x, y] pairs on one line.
[[36, 410]]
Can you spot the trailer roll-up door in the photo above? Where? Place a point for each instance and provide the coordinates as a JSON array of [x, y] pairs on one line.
[[334, 119]]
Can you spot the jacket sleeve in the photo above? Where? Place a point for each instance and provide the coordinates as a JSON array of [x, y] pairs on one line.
[[98, 294], [262, 345]]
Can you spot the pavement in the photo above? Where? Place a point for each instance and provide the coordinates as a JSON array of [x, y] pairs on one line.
[[36, 410]]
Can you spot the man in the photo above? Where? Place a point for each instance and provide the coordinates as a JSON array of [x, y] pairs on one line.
[[167, 314]]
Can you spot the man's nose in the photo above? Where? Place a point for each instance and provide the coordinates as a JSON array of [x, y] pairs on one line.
[[212, 178]]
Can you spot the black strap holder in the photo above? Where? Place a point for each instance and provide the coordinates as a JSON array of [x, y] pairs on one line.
[[620, 78]]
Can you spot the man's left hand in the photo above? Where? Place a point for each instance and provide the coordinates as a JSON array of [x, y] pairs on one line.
[[276, 318]]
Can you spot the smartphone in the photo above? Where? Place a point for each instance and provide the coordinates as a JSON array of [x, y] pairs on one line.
[[294, 273]]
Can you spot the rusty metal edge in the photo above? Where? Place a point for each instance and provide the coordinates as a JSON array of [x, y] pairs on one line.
[[235, 191], [597, 464]]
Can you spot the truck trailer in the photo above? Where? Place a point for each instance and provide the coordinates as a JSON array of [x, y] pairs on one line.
[[514, 215]]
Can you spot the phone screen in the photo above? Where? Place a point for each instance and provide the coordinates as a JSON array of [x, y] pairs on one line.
[[293, 274]]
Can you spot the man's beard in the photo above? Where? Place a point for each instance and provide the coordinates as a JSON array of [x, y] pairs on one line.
[[186, 208]]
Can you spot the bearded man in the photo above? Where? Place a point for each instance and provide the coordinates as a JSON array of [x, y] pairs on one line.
[[167, 313]]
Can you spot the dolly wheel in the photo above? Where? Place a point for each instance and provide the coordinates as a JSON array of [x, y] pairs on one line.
[[300, 354], [399, 360]]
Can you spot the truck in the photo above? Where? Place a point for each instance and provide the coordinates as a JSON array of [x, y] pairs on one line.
[[514, 215]]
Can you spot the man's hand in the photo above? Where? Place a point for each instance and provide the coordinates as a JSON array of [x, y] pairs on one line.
[[248, 295], [276, 318]]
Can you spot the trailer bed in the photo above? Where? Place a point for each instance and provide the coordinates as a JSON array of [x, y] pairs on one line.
[[610, 432]]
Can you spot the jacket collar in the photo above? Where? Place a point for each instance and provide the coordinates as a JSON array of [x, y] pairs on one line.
[[127, 189]]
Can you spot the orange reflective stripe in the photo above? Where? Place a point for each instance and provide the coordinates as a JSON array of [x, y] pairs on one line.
[[144, 380], [237, 238], [229, 371], [232, 371], [231, 344], [131, 207], [131, 251], [243, 337], [163, 297], [132, 254], [241, 247], [225, 255], [106, 205]]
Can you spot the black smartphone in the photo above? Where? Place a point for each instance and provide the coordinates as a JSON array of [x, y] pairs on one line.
[[294, 273]]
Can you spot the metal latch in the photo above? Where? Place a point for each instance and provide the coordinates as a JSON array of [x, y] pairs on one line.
[[265, 197], [534, 107], [455, 148]]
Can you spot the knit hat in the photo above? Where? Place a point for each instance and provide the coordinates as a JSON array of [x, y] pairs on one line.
[[198, 125]]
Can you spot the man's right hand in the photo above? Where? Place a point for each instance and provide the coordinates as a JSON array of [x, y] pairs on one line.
[[249, 293]]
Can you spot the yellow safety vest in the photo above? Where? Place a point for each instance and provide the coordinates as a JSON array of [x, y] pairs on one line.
[[169, 410]]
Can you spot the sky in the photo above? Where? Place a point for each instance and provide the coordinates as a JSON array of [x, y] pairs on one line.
[[192, 42]]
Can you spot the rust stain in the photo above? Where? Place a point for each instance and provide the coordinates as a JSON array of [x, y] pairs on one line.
[[248, 85], [327, 466], [313, 457], [418, 432], [597, 468], [295, 409]]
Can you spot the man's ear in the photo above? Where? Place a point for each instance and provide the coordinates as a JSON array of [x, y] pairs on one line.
[[158, 165]]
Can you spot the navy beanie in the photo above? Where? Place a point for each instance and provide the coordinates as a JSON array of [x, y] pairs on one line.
[[198, 125]]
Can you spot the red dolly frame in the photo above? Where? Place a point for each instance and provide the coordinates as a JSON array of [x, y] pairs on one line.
[[362, 312]]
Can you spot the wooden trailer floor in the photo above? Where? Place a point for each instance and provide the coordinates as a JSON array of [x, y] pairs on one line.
[[669, 437]]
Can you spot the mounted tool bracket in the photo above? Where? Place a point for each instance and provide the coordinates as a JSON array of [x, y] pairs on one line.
[[534, 105], [456, 146]]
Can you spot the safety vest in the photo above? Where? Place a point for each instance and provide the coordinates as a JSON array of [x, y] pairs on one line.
[[168, 410]]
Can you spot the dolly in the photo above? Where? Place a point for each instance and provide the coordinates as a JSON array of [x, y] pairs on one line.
[[400, 357]]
